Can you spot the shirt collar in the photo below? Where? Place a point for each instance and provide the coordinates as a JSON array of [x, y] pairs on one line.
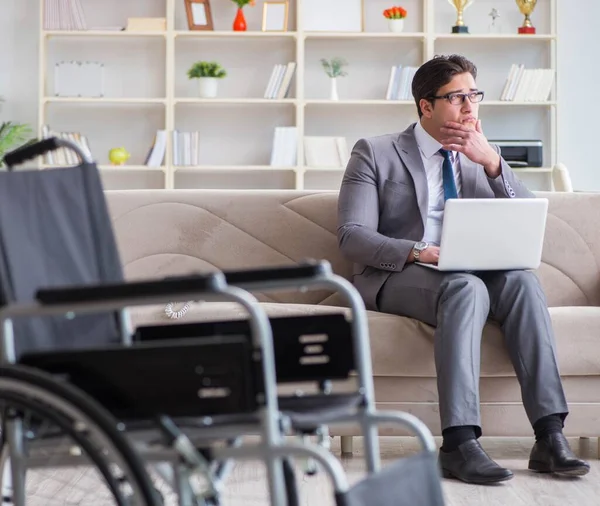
[[427, 144]]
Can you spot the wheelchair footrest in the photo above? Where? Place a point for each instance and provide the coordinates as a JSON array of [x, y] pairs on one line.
[[411, 481]]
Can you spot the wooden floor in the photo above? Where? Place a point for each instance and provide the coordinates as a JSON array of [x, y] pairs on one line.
[[246, 486]]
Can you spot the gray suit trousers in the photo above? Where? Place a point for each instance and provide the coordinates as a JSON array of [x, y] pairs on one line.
[[458, 305]]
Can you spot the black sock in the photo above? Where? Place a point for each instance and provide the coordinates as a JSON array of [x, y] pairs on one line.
[[547, 425], [454, 436]]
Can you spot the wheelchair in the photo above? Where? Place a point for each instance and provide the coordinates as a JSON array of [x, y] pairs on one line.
[[73, 366]]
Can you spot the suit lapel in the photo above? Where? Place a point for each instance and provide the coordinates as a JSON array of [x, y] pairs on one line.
[[408, 151], [469, 173]]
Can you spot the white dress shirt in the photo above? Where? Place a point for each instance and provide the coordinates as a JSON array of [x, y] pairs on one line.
[[432, 161]]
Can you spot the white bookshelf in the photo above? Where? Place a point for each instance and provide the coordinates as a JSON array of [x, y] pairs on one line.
[[147, 87]]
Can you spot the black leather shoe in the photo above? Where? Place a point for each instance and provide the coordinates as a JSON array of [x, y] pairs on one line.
[[552, 454], [471, 464]]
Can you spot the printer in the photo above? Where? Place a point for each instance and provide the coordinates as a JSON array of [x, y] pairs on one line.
[[521, 153]]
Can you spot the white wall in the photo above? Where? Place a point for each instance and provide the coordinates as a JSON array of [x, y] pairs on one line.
[[577, 87], [19, 25], [579, 111]]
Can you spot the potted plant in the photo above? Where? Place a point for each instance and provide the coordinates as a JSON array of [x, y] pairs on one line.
[[12, 136], [395, 17], [333, 68], [239, 23], [208, 74]]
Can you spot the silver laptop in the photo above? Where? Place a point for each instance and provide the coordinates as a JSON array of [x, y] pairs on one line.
[[492, 234]]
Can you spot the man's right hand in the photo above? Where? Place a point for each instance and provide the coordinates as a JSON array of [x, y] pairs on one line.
[[430, 255]]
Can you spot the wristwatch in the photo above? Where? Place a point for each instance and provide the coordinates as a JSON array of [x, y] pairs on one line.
[[417, 248]]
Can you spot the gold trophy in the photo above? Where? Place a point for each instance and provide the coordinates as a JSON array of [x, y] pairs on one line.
[[526, 7], [460, 6]]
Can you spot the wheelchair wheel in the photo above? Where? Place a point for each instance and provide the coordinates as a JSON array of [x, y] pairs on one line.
[[60, 447]]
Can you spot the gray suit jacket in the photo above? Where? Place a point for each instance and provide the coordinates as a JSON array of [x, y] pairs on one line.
[[383, 201]]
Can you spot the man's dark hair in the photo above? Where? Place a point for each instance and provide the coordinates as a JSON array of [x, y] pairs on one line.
[[436, 73]]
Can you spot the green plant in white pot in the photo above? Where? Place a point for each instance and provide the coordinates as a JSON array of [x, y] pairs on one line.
[[334, 69], [208, 75]]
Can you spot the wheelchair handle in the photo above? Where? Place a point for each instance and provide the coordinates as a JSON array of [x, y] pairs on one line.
[[167, 287], [31, 151]]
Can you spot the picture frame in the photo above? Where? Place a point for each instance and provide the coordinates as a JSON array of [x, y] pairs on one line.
[[275, 16], [79, 79], [199, 15], [333, 15]]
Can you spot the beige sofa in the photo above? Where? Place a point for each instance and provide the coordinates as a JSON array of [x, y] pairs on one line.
[[174, 232]]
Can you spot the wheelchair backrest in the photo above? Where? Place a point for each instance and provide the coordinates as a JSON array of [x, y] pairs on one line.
[[55, 231]]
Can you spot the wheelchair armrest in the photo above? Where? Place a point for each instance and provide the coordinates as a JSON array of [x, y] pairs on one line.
[[165, 287], [304, 270]]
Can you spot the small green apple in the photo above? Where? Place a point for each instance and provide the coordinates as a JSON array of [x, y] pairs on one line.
[[118, 156]]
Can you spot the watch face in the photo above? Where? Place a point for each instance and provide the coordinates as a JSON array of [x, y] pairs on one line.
[[420, 245]]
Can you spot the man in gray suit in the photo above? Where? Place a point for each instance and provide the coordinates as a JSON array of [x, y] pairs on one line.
[[391, 207]]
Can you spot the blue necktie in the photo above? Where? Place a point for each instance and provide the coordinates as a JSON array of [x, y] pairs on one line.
[[448, 176]]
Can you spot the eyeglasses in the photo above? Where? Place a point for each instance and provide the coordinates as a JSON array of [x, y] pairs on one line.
[[459, 98]]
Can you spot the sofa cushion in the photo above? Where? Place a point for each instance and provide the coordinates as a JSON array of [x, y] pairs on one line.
[[167, 233], [404, 347]]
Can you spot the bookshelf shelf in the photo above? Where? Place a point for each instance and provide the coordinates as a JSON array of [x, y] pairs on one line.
[[120, 168], [520, 103], [205, 34], [364, 35], [235, 131], [100, 33], [339, 103], [496, 37], [231, 168], [412, 103], [130, 168], [533, 170], [104, 100], [324, 169], [234, 101]]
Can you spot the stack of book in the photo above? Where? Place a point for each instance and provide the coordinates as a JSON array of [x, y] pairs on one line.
[[186, 148], [64, 15], [527, 85], [63, 157], [285, 147], [156, 154], [280, 82], [400, 83]]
